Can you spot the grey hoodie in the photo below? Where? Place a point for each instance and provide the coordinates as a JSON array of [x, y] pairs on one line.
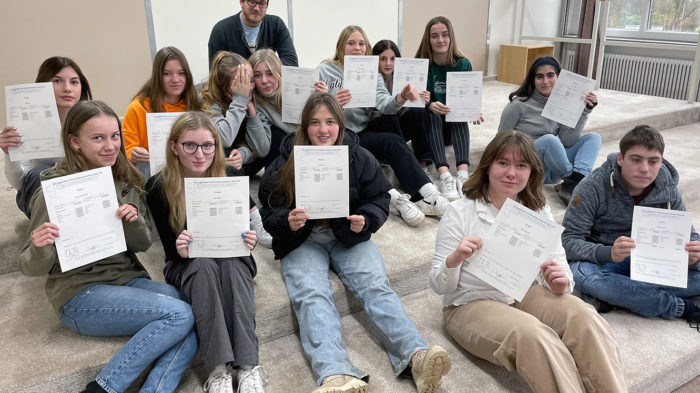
[[601, 210]]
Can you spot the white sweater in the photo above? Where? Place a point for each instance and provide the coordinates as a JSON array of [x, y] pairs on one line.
[[468, 217]]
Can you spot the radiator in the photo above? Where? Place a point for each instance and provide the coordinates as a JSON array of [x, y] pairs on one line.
[[646, 75], [569, 59]]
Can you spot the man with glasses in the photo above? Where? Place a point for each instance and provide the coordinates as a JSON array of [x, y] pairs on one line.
[[252, 29]]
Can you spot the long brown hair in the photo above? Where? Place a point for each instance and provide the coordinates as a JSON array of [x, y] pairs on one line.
[[425, 51], [339, 56], [153, 88], [301, 137], [53, 65], [216, 89], [173, 174], [270, 59], [527, 88], [74, 160], [532, 196]]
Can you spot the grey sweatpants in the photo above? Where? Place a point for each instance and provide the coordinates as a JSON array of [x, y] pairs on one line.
[[220, 291]]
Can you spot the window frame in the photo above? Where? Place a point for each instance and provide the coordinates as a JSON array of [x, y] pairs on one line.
[[645, 34]]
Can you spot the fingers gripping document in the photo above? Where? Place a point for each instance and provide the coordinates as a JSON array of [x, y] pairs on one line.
[[321, 181], [217, 215], [659, 255], [360, 77], [517, 242], [297, 86], [158, 127], [31, 108], [566, 102], [410, 71], [84, 207]]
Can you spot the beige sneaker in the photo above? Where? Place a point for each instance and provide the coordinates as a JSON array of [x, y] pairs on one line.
[[428, 366], [342, 384]]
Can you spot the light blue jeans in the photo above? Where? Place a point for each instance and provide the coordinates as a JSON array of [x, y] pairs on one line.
[[610, 282], [560, 161], [361, 269], [145, 169], [158, 321]]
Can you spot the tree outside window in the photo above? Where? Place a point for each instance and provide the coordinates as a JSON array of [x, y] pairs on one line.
[[653, 16]]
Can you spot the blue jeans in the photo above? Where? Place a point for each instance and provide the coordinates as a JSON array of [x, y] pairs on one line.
[[610, 282], [560, 161], [361, 269], [145, 169], [158, 321]]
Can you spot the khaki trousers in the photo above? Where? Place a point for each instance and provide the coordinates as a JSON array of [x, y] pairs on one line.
[[557, 343]]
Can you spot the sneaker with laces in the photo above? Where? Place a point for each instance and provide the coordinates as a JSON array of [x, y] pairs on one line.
[[220, 383], [460, 183], [250, 381], [264, 237], [408, 210], [448, 187], [342, 384], [434, 205], [428, 366]]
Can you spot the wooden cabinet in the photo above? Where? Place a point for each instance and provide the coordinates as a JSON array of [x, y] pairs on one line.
[[515, 60]]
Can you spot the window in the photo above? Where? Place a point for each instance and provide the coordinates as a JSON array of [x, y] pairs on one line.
[[664, 20]]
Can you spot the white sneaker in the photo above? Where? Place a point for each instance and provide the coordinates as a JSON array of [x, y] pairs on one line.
[[264, 238], [460, 183], [448, 187], [220, 383], [434, 205], [250, 381], [408, 210]]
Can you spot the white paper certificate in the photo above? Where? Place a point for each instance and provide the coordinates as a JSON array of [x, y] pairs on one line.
[[659, 255], [321, 181], [464, 96], [158, 127], [413, 71], [566, 102], [360, 76], [84, 207], [31, 108], [518, 241], [217, 213], [297, 86]]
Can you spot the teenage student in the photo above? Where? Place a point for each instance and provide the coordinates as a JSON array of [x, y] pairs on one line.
[[220, 290], [566, 153], [551, 338], [387, 146], [440, 47], [598, 226], [169, 89], [227, 99], [113, 296], [69, 87], [309, 249]]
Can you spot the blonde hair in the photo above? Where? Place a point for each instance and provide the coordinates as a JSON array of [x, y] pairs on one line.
[[154, 90], [270, 59], [339, 57], [301, 137], [532, 196], [74, 161], [216, 89], [173, 174], [425, 51]]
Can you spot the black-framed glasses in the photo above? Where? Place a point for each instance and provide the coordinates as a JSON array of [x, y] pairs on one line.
[[191, 147], [253, 3]]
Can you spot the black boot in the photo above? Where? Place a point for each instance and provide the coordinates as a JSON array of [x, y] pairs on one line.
[[565, 189], [93, 387]]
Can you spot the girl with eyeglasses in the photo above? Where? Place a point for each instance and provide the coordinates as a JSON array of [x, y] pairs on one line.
[[69, 87], [220, 290], [169, 89], [113, 296]]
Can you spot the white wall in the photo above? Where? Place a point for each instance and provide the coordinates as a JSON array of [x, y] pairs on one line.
[[541, 19]]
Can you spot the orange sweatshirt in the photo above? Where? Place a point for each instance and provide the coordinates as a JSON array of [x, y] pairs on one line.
[[134, 125]]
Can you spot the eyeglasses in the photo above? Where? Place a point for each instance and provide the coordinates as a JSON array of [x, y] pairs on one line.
[[191, 147], [253, 3]]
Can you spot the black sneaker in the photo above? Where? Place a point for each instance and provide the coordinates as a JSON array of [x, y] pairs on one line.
[[563, 193], [599, 305], [93, 387]]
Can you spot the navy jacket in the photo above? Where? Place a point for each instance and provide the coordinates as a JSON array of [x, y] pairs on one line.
[[368, 197]]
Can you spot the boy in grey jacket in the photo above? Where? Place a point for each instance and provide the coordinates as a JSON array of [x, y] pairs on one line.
[[598, 225]]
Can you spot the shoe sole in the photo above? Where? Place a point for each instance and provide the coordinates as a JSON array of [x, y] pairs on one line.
[[437, 365], [354, 386], [410, 222]]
